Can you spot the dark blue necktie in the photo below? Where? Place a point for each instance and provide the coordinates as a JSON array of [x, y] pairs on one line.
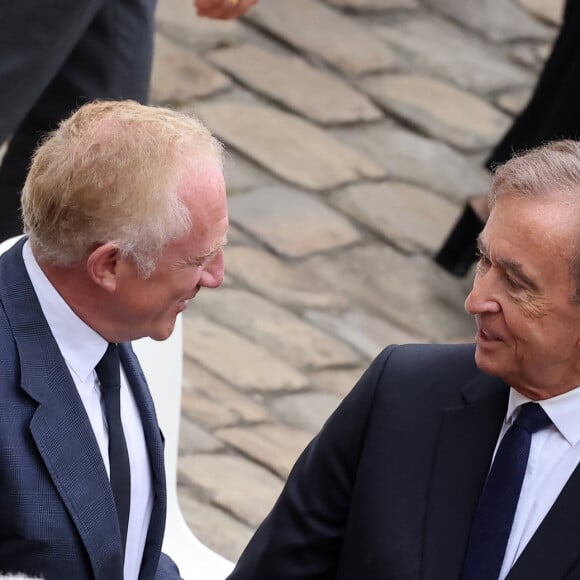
[[109, 373], [495, 512]]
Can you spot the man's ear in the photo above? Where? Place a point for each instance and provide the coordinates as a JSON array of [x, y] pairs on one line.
[[103, 266]]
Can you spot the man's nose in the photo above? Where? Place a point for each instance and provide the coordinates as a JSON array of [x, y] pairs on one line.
[[213, 273], [482, 297]]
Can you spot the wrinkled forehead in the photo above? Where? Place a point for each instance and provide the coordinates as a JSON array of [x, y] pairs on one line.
[[540, 222]]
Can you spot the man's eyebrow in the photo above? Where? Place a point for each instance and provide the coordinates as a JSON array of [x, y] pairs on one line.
[[515, 269], [211, 252]]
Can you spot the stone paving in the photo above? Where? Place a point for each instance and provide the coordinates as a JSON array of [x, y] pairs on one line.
[[355, 130]]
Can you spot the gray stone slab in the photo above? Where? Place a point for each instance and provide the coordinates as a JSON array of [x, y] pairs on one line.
[[337, 381], [307, 411], [248, 408], [312, 93], [372, 5], [206, 412], [274, 446], [214, 527], [439, 48], [278, 280], [366, 332], [178, 75], [544, 50], [498, 20], [239, 405], [236, 359], [195, 439], [525, 54], [291, 222], [233, 483], [514, 101], [177, 19], [426, 162], [410, 291], [242, 174], [237, 237], [275, 328], [286, 145], [198, 378], [410, 217], [549, 11], [312, 27], [439, 109]]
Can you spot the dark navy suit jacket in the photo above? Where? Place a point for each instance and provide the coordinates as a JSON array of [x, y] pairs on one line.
[[57, 513], [388, 489]]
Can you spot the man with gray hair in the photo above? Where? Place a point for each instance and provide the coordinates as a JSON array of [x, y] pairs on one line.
[[451, 462], [125, 211]]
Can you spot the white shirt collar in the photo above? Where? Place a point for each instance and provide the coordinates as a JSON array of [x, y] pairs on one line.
[[80, 345], [563, 410]]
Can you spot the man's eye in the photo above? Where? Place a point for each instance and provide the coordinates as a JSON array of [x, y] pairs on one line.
[[512, 283]]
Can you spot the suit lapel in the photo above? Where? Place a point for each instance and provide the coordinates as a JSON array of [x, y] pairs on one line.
[[467, 438], [60, 426], [554, 547], [155, 449]]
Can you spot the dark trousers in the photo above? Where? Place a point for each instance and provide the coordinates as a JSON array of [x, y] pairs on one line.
[[554, 110], [552, 113], [56, 55]]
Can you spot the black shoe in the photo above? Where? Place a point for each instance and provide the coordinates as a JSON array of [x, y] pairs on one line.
[[460, 249]]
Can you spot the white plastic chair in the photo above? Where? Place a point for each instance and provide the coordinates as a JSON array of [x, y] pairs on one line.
[[8, 243], [162, 364]]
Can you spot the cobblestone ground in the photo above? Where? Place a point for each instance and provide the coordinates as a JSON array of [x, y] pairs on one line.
[[355, 129]]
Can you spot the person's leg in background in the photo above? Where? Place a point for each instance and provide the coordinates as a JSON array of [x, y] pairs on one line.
[[56, 61], [552, 113]]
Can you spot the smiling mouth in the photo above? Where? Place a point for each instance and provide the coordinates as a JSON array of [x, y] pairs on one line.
[[487, 337]]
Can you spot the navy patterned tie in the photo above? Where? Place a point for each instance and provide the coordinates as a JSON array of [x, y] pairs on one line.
[[109, 373], [495, 512]]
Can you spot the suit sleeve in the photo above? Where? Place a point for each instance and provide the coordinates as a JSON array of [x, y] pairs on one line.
[[302, 536], [167, 569]]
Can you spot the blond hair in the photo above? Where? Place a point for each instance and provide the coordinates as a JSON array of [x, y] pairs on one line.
[[110, 173]]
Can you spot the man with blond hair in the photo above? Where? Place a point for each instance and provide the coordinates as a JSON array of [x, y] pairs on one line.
[[451, 462], [57, 55], [125, 211]]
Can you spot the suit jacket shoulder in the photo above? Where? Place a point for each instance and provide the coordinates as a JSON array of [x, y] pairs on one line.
[[57, 513], [357, 503]]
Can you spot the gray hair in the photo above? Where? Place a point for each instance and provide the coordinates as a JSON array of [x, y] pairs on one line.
[[545, 171], [549, 171]]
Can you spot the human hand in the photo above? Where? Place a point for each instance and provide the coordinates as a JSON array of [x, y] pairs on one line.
[[222, 9]]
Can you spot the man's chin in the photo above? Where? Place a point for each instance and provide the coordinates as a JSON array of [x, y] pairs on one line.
[[487, 363], [161, 334]]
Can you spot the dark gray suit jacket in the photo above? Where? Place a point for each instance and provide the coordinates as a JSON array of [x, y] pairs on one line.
[[388, 489], [57, 513]]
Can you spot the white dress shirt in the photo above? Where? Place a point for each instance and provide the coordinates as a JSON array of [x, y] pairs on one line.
[[554, 454], [82, 348]]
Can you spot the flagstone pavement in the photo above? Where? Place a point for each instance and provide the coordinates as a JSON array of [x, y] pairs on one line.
[[354, 130]]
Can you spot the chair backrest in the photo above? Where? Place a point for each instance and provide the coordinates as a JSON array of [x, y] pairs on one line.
[[162, 365], [6, 244]]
